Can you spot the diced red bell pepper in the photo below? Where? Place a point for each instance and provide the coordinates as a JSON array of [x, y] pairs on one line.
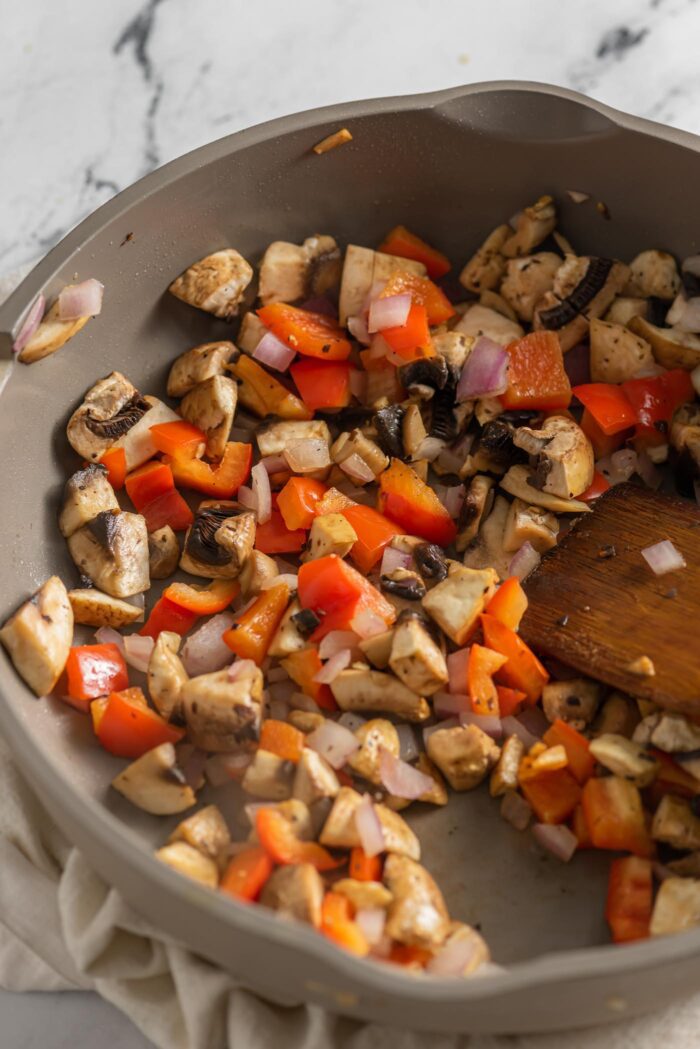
[[408, 501], [302, 667], [179, 438], [337, 924], [322, 384], [263, 394], [311, 334], [336, 592], [247, 873], [523, 670], [363, 867], [553, 795], [280, 842], [509, 603], [114, 461], [374, 532], [282, 739], [273, 537], [607, 405], [603, 444], [615, 817], [298, 500], [629, 903], [510, 701], [423, 293], [400, 241], [95, 670], [166, 615], [221, 481], [149, 482], [536, 375], [406, 339], [409, 956], [483, 664], [168, 509], [251, 634], [655, 399], [577, 747], [130, 729], [206, 601], [598, 486]]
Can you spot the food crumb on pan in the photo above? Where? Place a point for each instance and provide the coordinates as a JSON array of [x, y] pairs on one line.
[[643, 667], [338, 138]]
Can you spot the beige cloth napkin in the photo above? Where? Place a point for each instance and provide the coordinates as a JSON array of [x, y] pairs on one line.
[[62, 928]]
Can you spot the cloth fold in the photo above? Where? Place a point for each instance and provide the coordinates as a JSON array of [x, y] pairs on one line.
[[62, 928]]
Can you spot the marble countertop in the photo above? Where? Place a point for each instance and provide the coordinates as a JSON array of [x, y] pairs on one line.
[[101, 93]]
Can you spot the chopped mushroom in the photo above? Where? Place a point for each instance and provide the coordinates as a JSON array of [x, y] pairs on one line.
[[109, 409], [654, 273], [685, 433], [527, 279], [112, 551], [287, 638], [250, 332], [187, 860], [417, 915], [416, 659], [480, 320], [295, 891], [617, 354], [583, 288], [505, 773], [51, 335], [672, 347], [456, 603], [155, 783], [677, 906], [39, 635], [530, 524], [215, 284], [461, 933], [488, 550], [363, 893], [289, 272], [339, 830], [221, 714], [163, 553], [625, 758], [496, 302], [618, 714], [167, 676], [485, 269], [374, 735], [306, 721], [330, 534], [574, 701], [268, 776], [563, 456], [676, 824], [357, 443], [623, 309], [314, 778], [464, 754], [211, 406], [517, 482], [93, 608], [219, 541], [258, 569], [686, 866], [87, 494], [367, 690], [273, 438], [205, 831], [377, 649], [532, 226], [675, 734], [437, 795], [477, 504], [453, 346], [198, 365], [295, 813]]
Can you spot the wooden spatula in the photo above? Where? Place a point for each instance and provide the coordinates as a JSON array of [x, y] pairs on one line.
[[597, 606]]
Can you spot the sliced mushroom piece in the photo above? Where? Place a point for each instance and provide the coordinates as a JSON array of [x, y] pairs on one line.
[[211, 406], [464, 754], [454, 347], [574, 701], [623, 757], [676, 824], [562, 453], [155, 783], [672, 348], [496, 302], [413, 431], [273, 438], [617, 354], [385, 266], [305, 720], [532, 226], [295, 891], [112, 551], [624, 308], [167, 676], [257, 570], [330, 534], [137, 442], [356, 281], [584, 288], [504, 776], [527, 279], [654, 273], [477, 504], [51, 335], [339, 830], [456, 603], [314, 778], [479, 320], [368, 690], [485, 269], [686, 866], [437, 795], [417, 915], [403, 587], [363, 894], [287, 638], [215, 284], [163, 552], [250, 332], [289, 272], [87, 494], [530, 524], [619, 714], [93, 608], [269, 776], [198, 365], [187, 860], [488, 549], [205, 831], [675, 734], [357, 443], [375, 735], [677, 906], [219, 541], [517, 482], [108, 411], [223, 715], [377, 649], [416, 659], [38, 636]]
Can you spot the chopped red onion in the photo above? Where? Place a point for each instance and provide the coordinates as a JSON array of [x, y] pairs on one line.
[[647, 470], [246, 497], [367, 624], [137, 651], [485, 372], [371, 922], [407, 743], [204, 652], [447, 723], [288, 579], [524, 561], [513, 727], [80, 300], [390, 312], [534, 720], [368, 827], [516, 810], [393, 559], [429, 448], [241, 668], [401, 779], [623, 464], [107, 635], [262, 492], [223, 768], [355, 466], [450, 704], [274, 353], [357, 326], [488, 723], [330, 670], [457, 663], [663, 557], [557, 838], [307, 455], [452, 959], [30, 324], [337, 641], [350, 721], [577, 197], [274, 464], [577, 364], [454, 500], [379, 347], [333, 742]]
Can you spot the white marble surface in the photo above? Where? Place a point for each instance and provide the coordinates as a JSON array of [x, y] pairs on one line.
[[95, 93]]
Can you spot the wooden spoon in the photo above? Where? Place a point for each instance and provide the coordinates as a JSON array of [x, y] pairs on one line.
[[596, 605]]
